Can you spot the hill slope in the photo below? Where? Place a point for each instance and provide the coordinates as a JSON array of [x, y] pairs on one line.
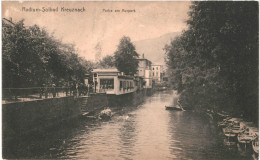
[[153, 48]]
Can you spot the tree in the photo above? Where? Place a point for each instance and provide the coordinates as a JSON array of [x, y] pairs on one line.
[[217, 58], [107, 62], [126, 57], [33, 58]]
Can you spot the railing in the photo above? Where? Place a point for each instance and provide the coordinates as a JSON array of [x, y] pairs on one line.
[[27, 94]]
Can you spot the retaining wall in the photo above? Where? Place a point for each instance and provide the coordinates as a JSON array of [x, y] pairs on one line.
[[93, 103], [24, 117]]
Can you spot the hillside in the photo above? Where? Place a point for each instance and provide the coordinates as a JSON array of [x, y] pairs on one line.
[[153, 48]]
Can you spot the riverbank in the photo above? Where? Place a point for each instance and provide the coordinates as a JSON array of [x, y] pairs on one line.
[[34, 116], [39, 119], [23, 118], [142, 131]]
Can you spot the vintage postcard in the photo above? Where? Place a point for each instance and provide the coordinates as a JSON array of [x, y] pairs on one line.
[[130, 80]]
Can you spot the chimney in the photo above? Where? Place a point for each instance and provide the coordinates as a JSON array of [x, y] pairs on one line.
[[143, 55]]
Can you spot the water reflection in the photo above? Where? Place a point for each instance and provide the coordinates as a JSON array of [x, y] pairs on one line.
[[144, 131], [127, 134]]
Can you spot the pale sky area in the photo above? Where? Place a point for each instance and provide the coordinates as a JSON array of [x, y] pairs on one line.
[[87, 29]]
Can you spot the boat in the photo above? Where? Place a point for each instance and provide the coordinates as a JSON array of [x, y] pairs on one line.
[[231, 122], [228, 132], [175, 108], [228, 142], [105, 114], [232, 129], [255, 145], [223, 115], [236, 127], [224, 122], [244, 137]]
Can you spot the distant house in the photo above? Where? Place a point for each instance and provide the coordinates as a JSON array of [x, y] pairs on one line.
[[144, 71], [157, 73]]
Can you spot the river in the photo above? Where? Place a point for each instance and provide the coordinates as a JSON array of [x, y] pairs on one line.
[[144, 131]]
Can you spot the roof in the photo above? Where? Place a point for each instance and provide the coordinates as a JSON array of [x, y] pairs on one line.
[[126, 77], [144, 59], [100, 70]]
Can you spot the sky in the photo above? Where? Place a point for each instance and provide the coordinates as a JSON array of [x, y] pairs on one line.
[[95, 26]]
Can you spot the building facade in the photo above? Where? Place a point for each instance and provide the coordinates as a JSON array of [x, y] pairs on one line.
[[144, 71], [157, 73], [111, 81]]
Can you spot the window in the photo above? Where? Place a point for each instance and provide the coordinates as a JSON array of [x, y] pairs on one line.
[[131, 85], [106, 83], [124, 85], [121, 84], [156, 74], [156, 68]]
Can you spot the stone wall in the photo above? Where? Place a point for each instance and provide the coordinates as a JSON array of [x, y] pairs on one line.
[[93, 103], [25, 117], [22, 118]]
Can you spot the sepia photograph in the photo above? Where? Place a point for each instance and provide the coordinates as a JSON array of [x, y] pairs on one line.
[[130, 80]]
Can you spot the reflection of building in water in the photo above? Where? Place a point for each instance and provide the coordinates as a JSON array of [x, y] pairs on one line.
[[111, 81]]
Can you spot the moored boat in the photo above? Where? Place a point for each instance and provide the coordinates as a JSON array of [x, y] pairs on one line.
[[255, 145], [228, 132], [228, 142], [244, 137], [231, 122], [236, 127], [105, 114], [224, 122], [175, 108]]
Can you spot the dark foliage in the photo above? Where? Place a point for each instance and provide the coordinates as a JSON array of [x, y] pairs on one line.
[[214, 64], [33, 58], [126, 57], [107, 62]]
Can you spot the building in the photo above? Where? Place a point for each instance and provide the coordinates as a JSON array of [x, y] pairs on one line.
[[144, 71], [157, 73], [111, 81]]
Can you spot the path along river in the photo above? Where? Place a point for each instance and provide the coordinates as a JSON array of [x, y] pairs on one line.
[[144, 131]]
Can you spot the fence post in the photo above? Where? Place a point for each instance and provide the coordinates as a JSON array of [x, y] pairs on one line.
[[53, 92], [40, 93], [46, 92], [15, 96], [66, 91]]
